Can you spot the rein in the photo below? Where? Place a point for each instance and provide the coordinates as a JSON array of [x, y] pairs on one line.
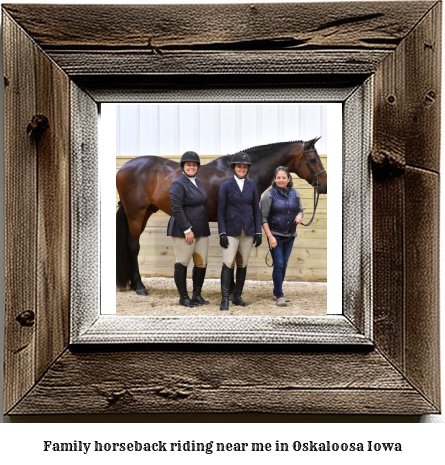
[[316, 196], [269, 251], [314, 183]]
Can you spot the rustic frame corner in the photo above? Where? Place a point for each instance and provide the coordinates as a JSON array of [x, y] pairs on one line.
[[385, 361]]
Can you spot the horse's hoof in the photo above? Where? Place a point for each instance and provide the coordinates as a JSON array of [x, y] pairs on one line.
[[141, 291]]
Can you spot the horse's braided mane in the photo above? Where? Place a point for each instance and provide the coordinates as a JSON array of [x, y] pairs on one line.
[[272, 145]]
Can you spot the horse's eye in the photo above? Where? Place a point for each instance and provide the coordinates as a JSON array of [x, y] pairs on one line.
[[313, 160]]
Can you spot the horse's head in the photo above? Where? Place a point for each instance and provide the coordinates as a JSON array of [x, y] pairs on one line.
[[306, 164]]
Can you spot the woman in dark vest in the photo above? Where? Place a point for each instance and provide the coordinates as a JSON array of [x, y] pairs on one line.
[[189, 228], [281, 211], [239, 226]]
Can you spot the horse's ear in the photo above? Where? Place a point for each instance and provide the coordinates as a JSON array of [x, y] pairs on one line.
[[312, 142]]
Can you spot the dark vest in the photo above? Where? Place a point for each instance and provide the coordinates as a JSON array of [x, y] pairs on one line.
[[283, 211]]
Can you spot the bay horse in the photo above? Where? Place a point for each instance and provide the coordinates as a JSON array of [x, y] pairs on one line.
[[143, 185]]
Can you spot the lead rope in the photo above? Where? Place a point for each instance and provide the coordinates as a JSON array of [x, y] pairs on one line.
[[316, 196], [267, 255]]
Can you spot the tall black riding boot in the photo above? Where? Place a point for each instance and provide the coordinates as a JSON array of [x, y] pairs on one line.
[[239, 285], [226, 278], [232, 288], [198, 280], [181, 285]]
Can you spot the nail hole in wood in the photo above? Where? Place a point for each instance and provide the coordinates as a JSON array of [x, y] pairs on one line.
[[26, 318], [37, 126]]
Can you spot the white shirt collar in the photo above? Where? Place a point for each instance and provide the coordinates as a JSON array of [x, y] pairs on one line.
[[192, 179], [240, 182]]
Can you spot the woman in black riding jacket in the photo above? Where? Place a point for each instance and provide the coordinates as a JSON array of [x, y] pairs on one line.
[[189, 228], [239, 225]]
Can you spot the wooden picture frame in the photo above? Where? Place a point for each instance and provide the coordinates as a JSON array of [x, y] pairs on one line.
[[380, 357]]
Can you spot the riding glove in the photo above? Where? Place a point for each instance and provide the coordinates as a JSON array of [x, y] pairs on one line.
[[257, 240], [223, 241]]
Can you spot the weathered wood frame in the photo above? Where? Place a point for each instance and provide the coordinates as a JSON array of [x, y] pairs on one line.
[[62, 66]]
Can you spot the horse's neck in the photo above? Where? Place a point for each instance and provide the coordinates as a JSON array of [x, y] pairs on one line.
[[261, 179], [264, 164]]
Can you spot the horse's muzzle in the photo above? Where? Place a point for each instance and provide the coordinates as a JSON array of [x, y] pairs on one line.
[[322, 188]]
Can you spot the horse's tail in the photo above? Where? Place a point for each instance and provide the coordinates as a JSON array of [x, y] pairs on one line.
[[122, 252]]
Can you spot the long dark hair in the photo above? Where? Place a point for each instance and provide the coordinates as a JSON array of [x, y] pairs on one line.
[[286, 170]]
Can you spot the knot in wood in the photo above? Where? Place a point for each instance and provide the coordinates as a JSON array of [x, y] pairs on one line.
[[430, 97], [112, 396], [26, 318], [37, 126], [172, 393], [387, 162]]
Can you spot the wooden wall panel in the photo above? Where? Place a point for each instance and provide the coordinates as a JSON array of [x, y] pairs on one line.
[[220, 24], [53, 236], [422, 322], [219, 381], [20, 214], [37, 212], [406, 162]]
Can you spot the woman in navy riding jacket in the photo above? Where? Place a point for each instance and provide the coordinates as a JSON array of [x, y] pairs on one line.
[[281, 211], [239, 226], [189, 228]]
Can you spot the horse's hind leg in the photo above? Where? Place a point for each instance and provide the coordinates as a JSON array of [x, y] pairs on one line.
[[135, 280]]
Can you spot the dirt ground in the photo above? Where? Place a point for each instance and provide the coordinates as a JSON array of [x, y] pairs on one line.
[[307, 299]]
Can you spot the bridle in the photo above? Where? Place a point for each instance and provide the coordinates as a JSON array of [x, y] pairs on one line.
[[314, 182]]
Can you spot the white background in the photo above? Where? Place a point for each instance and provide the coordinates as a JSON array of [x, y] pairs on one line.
[[22, 440], [215, 129]]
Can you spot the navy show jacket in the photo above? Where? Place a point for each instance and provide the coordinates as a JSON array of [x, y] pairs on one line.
[[188, 208], [238, 210]]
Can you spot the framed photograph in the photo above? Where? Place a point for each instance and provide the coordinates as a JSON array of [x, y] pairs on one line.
[[157, 135], [268, 132], [378, 354]]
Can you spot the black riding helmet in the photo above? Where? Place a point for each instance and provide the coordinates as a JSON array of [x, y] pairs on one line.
[[190, 156], [240, 158]]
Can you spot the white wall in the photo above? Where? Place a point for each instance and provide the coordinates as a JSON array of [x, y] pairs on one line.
[[215, 129]]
